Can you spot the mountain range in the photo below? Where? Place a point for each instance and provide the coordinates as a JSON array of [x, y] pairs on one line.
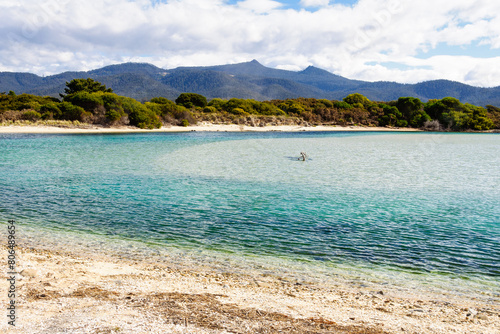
[[249, 80]]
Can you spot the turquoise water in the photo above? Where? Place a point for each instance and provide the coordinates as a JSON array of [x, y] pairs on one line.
[[380, 204]]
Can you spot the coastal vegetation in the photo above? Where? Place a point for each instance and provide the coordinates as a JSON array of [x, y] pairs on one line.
[[88, 101]]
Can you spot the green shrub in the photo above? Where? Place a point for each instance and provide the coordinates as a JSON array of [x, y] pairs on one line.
[[342, 105], [86, 100], [217, 103], [456, 116], [164, 108], [357, 98], [84, 85], [51, 110], [326, 103], [139, 115], [31, 115], [238, 111], [73, 113], [412, 109], [292, 107], [209, 109], [160, 100], [402, 123], [113, 115], [190, 100]]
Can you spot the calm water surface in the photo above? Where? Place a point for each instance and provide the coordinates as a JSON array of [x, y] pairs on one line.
[[418, 206]]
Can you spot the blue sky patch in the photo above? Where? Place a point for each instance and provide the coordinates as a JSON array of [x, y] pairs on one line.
[[473, 50], [295, 4], [397, 66]]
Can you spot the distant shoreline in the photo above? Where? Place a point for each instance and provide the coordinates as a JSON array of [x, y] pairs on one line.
[[41, 129]]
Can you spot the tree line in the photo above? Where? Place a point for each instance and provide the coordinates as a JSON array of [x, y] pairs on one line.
[[88, 101]]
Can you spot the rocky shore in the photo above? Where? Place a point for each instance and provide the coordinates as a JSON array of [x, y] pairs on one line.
[[61, 292]]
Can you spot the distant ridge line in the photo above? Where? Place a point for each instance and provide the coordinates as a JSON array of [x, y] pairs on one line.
[[247, 80]]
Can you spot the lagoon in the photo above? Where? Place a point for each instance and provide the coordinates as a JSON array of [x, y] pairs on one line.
[[407, 209]]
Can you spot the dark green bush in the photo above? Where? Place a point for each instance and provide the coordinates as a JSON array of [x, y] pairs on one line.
[[209, 109], [190, 100], [357, 98], [342, 105], [73, 113], [139, 115], [31, 115]]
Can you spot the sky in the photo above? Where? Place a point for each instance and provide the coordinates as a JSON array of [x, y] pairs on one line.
[[405, 41]]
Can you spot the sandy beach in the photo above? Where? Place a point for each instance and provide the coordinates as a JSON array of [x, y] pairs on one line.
[[63, 292], [202, 126]]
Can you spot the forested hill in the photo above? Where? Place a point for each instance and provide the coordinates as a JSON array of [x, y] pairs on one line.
[[249, 80]]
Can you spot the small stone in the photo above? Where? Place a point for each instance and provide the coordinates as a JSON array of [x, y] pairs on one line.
[[482, 317], [28, 272], [471, 312]]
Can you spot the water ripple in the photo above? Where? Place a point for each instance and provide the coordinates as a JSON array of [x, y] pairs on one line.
[[373, 199]]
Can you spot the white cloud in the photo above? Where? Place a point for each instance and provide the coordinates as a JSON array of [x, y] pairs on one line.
[[314, 3], [53, 36], [483, 72], [259, 6]]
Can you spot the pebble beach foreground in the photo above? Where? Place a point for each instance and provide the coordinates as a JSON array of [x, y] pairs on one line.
[[59, 292]]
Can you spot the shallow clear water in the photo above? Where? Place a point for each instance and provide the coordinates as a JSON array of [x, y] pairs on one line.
[[370, 204]]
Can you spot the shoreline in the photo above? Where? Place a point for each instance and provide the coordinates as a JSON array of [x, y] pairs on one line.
[[202, 127], [59, 290], [87, 289]]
